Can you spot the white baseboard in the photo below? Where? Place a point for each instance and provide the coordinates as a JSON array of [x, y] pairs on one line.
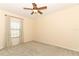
[[44, 42]]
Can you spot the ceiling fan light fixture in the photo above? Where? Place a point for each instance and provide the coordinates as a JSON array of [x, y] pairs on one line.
[[35, 11]]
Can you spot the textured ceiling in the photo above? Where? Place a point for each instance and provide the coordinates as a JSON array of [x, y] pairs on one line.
[[18, 8]]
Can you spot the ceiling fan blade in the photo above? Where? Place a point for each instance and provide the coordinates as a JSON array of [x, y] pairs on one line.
[[28, 8], [40, 12], [32, 13], [41, 8], [34, 5]]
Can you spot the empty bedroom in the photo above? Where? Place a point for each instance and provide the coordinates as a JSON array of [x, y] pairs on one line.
[[39, 28]]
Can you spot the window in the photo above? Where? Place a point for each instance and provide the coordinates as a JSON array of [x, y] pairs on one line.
[[15, 27], [14, 31]]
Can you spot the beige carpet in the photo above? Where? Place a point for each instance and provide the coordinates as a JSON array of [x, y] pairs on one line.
[[37, 49]]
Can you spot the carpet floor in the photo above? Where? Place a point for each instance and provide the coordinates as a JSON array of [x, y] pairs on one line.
[[36, 49]]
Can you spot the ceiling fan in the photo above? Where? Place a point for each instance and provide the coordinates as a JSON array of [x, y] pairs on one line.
[[36, 9]]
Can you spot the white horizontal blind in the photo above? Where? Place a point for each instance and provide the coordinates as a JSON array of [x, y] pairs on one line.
[[15, 27]]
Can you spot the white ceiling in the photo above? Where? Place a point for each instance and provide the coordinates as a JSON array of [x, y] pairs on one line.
[[18, 8], [39, 1]]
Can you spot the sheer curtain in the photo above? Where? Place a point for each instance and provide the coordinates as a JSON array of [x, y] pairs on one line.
[[14, 31], [8, 42]]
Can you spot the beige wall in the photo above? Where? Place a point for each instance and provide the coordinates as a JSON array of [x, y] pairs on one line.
[[60, 28], [27, 27]]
